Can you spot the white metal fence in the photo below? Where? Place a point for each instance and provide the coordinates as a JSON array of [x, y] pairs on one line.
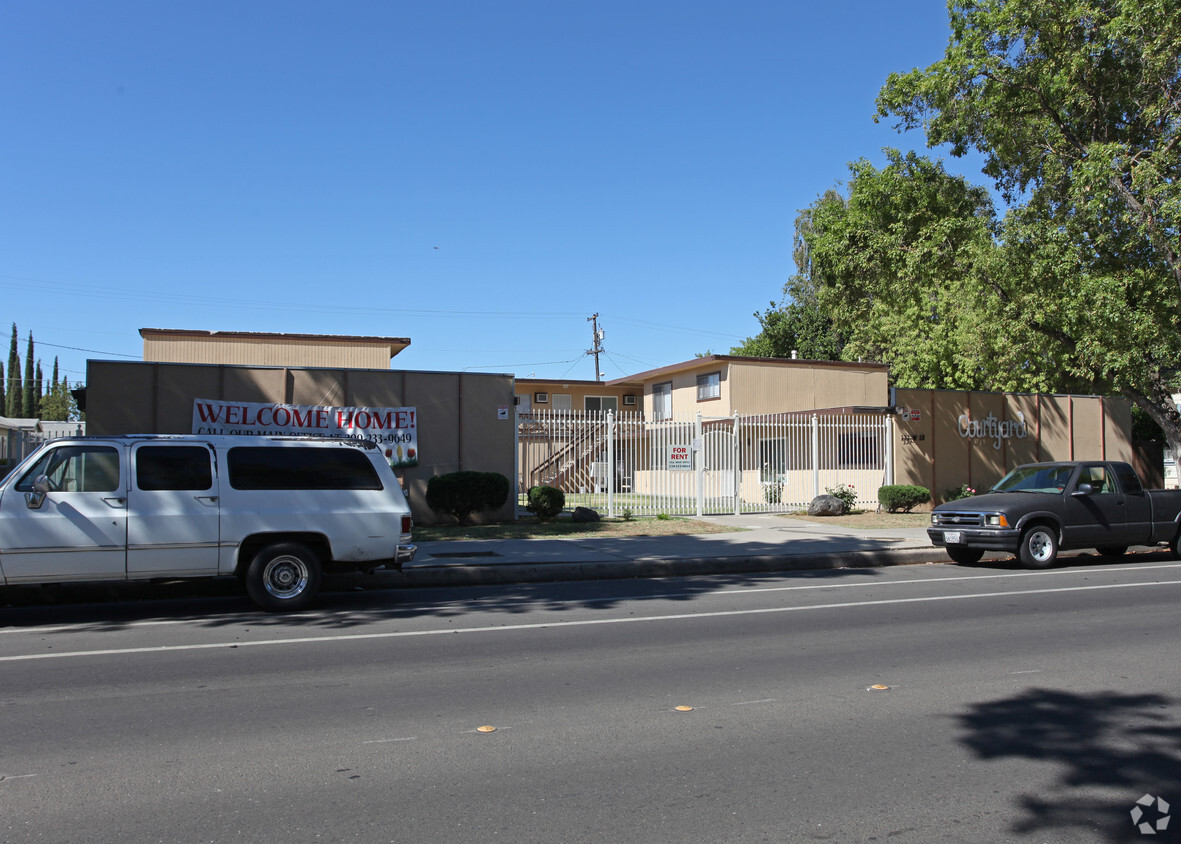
[[695, 465]]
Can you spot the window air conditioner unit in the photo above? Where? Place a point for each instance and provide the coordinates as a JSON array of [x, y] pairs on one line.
[[629, 400], [541, 398]]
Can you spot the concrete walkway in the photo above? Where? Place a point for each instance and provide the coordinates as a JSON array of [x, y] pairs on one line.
[[758, 543]]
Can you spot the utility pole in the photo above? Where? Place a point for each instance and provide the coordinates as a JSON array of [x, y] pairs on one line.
[[597, 334]]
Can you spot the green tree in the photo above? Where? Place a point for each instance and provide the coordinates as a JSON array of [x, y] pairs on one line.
[[1076, 107], [793, 327], [13, 406], [28, 392], [58, 403]]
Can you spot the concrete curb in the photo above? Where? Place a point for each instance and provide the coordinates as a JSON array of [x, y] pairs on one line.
[[460, 574]]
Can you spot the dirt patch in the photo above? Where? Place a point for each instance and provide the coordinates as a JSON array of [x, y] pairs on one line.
[[869, 520]]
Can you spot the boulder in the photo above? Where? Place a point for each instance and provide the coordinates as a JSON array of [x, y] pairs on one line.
[[584, 514], [826, 505]]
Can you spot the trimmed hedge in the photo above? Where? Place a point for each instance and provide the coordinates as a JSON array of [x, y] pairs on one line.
[[545, 502], [904, 497], [460, 494]]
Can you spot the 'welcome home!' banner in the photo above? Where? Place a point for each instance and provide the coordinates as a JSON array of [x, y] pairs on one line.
[[393, 428]]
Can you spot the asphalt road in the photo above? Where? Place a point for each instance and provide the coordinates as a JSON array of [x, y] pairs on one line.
[[1020, 706]]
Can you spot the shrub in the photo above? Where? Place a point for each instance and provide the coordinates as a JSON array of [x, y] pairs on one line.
[[962, 491], [904, 497], [462, 493], [846, 493], [773, 492], [545, 502]]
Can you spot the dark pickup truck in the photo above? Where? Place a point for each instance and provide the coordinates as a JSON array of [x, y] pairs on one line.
[[1040, 508]]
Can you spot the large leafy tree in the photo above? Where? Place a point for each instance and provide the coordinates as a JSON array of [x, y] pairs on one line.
[[1076, 107]]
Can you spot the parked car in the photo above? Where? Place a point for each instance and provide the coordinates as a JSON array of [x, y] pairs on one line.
[[1041, 508], [274, 511]]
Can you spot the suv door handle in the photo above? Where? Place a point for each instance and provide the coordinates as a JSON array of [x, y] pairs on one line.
[[116, 500], [212, 499]]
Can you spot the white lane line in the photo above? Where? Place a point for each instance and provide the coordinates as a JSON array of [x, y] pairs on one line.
[[480, 603], [541, 625]]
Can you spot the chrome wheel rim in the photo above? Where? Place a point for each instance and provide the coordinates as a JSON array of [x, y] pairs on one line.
[[285, 576]]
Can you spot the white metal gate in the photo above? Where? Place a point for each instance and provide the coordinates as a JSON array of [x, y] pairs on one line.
[[695, 465]]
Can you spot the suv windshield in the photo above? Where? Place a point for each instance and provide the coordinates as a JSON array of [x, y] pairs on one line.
[[1035, 479]]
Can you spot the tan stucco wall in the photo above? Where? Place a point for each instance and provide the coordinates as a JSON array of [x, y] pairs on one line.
[[458, 424], [578, 391], [247, 351], [785, 387], [930, 451]]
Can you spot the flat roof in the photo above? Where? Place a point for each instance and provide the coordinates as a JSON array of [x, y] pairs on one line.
[[395, 344]]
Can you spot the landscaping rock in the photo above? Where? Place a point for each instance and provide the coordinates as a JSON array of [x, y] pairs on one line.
[[826, 505], [584, 514]]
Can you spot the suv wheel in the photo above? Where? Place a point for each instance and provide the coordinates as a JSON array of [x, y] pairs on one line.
[[283, 577]]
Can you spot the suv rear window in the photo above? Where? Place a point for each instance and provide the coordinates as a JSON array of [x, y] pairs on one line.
[[296, 467]]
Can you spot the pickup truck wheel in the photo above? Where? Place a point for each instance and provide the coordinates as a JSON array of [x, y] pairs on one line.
[[964, 556], [1039, 547], [1112, 551], [283, 577]]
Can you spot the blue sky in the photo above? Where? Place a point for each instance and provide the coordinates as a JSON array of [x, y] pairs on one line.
[[480, 177]]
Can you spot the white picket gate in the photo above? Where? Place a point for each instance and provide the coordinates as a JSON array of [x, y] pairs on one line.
[[695, 465]]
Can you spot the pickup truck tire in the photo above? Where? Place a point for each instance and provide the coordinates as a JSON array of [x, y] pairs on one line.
[[1039, 547], [1112, 551], [283, 577], [964, 556]]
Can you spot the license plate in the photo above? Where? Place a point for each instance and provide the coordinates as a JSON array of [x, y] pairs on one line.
[[952, 537]]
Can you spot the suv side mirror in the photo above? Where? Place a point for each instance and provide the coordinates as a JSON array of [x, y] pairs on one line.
[[36, 498], [1083, 489]]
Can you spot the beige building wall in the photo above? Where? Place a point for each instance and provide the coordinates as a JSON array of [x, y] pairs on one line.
[[527, 388], [460, 424], [931, 450], [242, 348], [786, 386]]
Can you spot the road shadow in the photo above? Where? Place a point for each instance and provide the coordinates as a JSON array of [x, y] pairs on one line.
[[356, 600], [1109, 749]]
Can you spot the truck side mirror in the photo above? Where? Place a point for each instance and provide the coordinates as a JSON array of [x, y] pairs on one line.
[[1083, 489], [36, 498]]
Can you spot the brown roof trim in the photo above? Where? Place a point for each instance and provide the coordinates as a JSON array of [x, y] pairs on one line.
[[396, 344], [576, 382], [713, 360]]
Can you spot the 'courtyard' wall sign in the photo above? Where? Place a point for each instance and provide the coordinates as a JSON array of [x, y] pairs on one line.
[[992, 428]]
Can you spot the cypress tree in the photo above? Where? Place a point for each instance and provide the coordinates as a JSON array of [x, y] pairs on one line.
[[28, 409], [38, 387], [13, 405]]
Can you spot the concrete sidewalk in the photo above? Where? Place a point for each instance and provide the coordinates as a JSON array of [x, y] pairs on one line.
[[758, 543]]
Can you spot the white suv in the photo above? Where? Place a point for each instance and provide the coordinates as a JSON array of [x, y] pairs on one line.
[[274, 511]]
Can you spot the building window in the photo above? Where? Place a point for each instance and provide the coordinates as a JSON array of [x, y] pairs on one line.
[[662, 401], [601, 403], [562, 401], [709, 386]]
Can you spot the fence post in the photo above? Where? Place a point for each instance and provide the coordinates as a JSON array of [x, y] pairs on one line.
[[610, 464], [736, 464], [517, 462], [699, 463], [889, 435], [815, 454]]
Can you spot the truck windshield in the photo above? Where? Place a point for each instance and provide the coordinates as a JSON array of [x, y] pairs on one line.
[[1035, 479]]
